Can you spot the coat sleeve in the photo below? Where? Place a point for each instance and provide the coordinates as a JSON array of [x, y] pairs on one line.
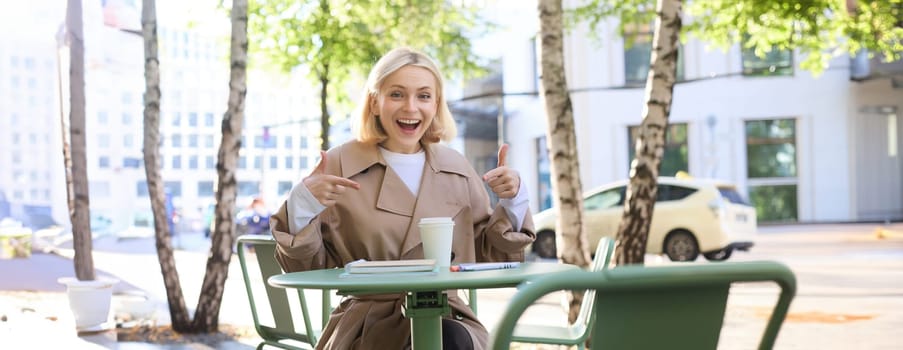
[[305, 250], [495, 237]]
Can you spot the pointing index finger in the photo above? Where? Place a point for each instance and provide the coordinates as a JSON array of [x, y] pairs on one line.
[[338, 180]]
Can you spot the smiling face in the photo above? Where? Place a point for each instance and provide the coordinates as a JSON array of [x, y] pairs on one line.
[[406, 104]]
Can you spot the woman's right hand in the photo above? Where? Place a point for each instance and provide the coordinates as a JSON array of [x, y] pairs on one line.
[[327, 189]]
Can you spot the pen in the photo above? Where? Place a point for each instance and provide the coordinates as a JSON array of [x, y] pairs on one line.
[[484, 266]]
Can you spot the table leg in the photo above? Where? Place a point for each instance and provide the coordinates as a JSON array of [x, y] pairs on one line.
[[425, 309]]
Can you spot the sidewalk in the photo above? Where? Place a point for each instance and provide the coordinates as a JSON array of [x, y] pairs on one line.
[[35, 311]]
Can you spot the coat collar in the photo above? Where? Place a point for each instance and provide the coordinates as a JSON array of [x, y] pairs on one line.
[[394, 196], [357, 157]]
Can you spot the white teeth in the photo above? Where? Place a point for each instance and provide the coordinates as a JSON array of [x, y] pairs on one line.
[[408, 121]]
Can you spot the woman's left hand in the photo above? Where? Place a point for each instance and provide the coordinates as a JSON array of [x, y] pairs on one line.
[[503, 180]]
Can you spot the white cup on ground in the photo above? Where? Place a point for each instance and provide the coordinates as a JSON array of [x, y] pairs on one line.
[[436, 234]]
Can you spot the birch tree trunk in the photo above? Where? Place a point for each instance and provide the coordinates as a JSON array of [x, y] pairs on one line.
[[562, 143], [178, 313], [79, 205], [206, 318], [650, 144], [324, 111]]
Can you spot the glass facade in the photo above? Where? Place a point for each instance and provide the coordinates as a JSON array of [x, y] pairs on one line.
[[771, 169], [677, 150]]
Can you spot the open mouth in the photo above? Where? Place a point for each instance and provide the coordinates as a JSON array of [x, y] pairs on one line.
[[408, 124]]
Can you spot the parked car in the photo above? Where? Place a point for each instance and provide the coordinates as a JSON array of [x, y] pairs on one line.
[[691, 216]]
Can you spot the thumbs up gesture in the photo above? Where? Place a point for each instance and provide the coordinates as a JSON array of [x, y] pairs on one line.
[[503, 180], [327, 189]]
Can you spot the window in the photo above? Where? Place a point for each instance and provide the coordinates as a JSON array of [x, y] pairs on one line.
[[128, 141], [177, 162], [771, 148], [731, 195], [303, 142], [771, 168], [176, 141], [242, 162], [543, 174], [208, 141], [606, 199], [192, 119], [302, 162], [141, 188], [638, 52], [247, 188], [192, 162], [193, 140], [208, 119], [770, 61], [176, 119], [210, 162], [284, 187], [205, 189], [672, 193], [288, 142], [258, 162], [103, 162], [265, 141], [173, 188], [274, 162], [289, 162], [677, 150]]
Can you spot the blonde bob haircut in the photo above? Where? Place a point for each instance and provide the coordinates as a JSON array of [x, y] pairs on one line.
[[366, 126]]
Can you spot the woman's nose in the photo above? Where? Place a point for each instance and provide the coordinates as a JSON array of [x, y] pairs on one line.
[[410, 104]]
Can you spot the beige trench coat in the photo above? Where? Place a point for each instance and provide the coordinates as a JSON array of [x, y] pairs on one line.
[[379, 222]]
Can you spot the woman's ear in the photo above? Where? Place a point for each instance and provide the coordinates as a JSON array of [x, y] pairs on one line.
[[372, 98]]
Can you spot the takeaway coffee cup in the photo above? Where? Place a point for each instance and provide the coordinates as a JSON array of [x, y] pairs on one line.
[[436, 235]]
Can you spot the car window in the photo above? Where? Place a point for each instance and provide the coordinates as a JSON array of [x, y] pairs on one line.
[[605, 199], [672, 193], [732, 195]]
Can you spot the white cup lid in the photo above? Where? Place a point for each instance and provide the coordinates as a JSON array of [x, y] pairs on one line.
[[436, 220]]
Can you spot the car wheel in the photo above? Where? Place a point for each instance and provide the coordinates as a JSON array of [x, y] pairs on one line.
[[681, 246], [544, 245], [719, 255]]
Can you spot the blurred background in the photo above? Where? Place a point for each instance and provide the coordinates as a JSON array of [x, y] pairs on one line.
[[800, 147]]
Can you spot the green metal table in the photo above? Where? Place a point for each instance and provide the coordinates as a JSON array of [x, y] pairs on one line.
[[426, 302]]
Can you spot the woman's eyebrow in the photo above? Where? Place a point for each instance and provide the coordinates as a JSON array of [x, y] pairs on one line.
[[405, 87]]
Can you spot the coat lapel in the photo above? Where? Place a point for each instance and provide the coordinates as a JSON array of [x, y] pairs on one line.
[[437, 196], [394, 196]]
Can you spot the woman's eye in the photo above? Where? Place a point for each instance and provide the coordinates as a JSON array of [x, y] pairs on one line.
[[425, 96], [395, 94]]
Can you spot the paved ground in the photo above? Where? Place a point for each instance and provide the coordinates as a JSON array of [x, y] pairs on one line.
[[850, 292]]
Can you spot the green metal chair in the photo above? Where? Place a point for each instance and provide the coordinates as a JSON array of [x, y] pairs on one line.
[[283, 333], [662, 307], [577, 332]]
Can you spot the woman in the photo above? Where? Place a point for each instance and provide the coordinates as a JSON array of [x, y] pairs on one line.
[[365, 197]]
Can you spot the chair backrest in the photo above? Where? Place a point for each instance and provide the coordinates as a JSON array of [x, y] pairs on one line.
[[601, 261], [279, 302], [676, 307]]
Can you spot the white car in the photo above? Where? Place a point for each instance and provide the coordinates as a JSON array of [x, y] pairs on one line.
[[691, 216]]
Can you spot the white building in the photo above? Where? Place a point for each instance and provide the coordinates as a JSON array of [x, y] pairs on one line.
[[805, 148], [194, 82]]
